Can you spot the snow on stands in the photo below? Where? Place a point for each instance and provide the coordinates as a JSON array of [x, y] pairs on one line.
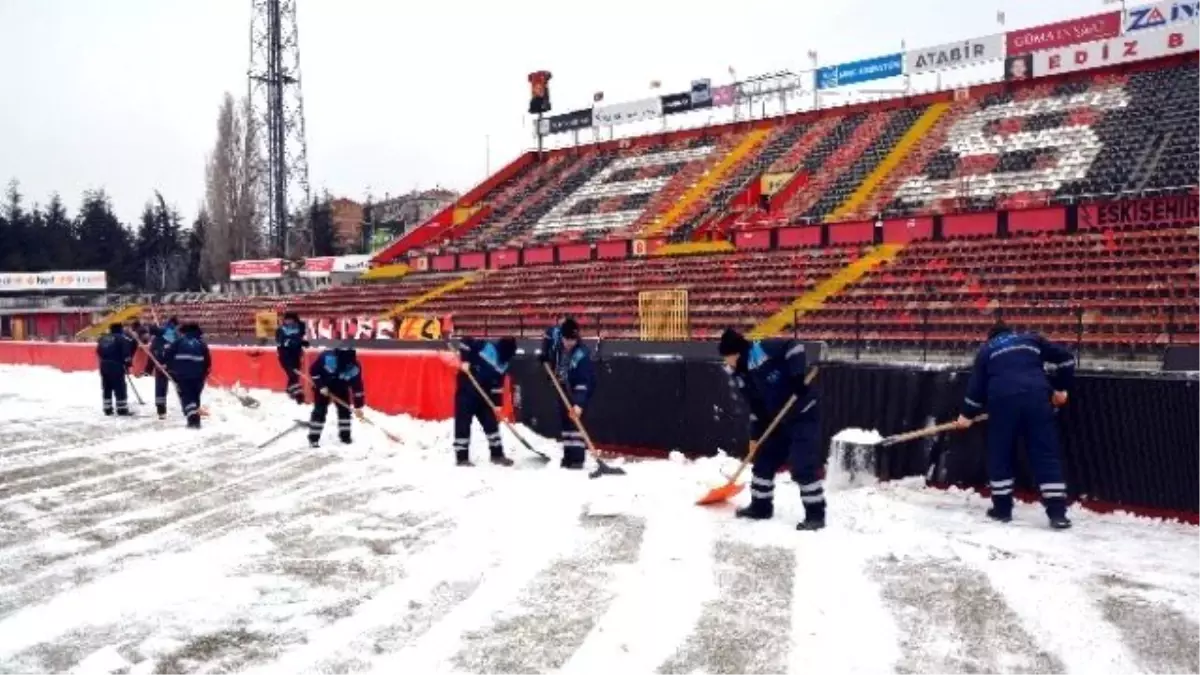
[[137, 546]]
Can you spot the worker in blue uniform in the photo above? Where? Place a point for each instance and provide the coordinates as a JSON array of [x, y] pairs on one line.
[[289, 344], [189, 363], [1019, 378], [115, 353], [336, 372], [488, 363], [571, 363], [768, 373], [164, 337]]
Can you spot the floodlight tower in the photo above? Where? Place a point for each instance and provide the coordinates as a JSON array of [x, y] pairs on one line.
[[277, 109]]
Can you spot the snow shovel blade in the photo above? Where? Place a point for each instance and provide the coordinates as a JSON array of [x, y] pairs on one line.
[[721, 494], [855, 459], [605, 469], [248, 401]]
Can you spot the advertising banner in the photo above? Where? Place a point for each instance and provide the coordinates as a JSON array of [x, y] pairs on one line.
[[576, 119], [625, 113], [774, 182], [1063, 33], [351, 264], [702, 93], [18, 282], [676, 103], [317, 267], [1137, 47], [1161, 15], [854, 72], [240, 270], [724, 95], [954, 54], [1182, 209]]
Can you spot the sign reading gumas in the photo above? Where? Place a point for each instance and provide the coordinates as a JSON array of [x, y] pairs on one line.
[[1063, 33]]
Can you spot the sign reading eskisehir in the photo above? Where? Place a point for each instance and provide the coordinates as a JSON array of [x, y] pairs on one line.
[[954, 54], [844, 74], [18, 282]]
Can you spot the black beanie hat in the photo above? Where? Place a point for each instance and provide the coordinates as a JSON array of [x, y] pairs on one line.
[[999, 328], [732, 342], [191, 329], [116, 328], [292, 316], [570, 329], [506, 347]]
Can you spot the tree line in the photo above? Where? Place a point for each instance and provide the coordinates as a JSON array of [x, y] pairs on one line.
[[162, 253]]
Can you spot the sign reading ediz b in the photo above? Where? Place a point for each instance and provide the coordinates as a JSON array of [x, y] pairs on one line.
[[1137, 47]]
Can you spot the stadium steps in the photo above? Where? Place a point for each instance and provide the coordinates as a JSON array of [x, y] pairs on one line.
[[907, 142], [449, 287], [706, 182], [122, 315], [816, 297]]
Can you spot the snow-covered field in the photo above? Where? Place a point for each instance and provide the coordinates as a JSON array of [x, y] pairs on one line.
[[139, 546]]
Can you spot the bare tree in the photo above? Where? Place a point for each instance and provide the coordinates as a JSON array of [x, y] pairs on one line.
[[230, 192]]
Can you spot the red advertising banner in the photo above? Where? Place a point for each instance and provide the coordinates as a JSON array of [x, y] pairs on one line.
[[318, 267], [1063, 33], [256, 269]]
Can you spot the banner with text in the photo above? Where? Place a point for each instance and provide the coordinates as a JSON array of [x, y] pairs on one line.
[[954, 54], [19, 282], [697, 98], [1182, 210], [844, 74], [1127, 49], [626, 113], [240, 270], [576, 119], [1161, 15], [351, 264], [1063, 33]]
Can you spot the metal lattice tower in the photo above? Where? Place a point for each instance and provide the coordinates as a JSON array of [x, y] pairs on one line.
[[277, 107]]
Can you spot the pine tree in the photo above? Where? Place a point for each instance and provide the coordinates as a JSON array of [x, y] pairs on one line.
[[12, 254], [105, 244], [59, 238], [194, 251]]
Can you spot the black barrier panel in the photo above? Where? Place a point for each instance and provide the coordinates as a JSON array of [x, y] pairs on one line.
[[1125, 440]]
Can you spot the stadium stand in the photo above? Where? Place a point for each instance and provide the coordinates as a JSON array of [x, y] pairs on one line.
[[995, 204]]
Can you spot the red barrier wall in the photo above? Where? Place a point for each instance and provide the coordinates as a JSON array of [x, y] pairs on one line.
[[426, 392]]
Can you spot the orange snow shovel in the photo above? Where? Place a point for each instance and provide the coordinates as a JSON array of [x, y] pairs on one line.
[[357, 413], [733, 488]]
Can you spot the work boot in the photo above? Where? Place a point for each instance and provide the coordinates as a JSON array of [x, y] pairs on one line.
[[462, 458], [345, 438], [1060, 522], [759, 509], [501, 460], [811, 524], [162, 416], [999, 516], [314, 442]]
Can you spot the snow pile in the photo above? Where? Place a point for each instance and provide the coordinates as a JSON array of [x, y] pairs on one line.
[[852, 456]]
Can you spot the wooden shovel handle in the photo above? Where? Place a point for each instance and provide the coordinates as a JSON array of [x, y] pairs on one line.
[[771, 427], [927, 431]]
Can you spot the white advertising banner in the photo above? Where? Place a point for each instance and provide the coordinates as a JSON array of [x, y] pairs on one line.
[[954, 54], [17, 282], [1125, 49], [626, 113], [352, 263], [1161, 15]]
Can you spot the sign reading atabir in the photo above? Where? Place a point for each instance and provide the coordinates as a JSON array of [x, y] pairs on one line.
[[1125, 49], [17, 282], [954, 54]]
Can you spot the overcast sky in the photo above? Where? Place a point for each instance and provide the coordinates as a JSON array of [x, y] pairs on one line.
[[123, 94]]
